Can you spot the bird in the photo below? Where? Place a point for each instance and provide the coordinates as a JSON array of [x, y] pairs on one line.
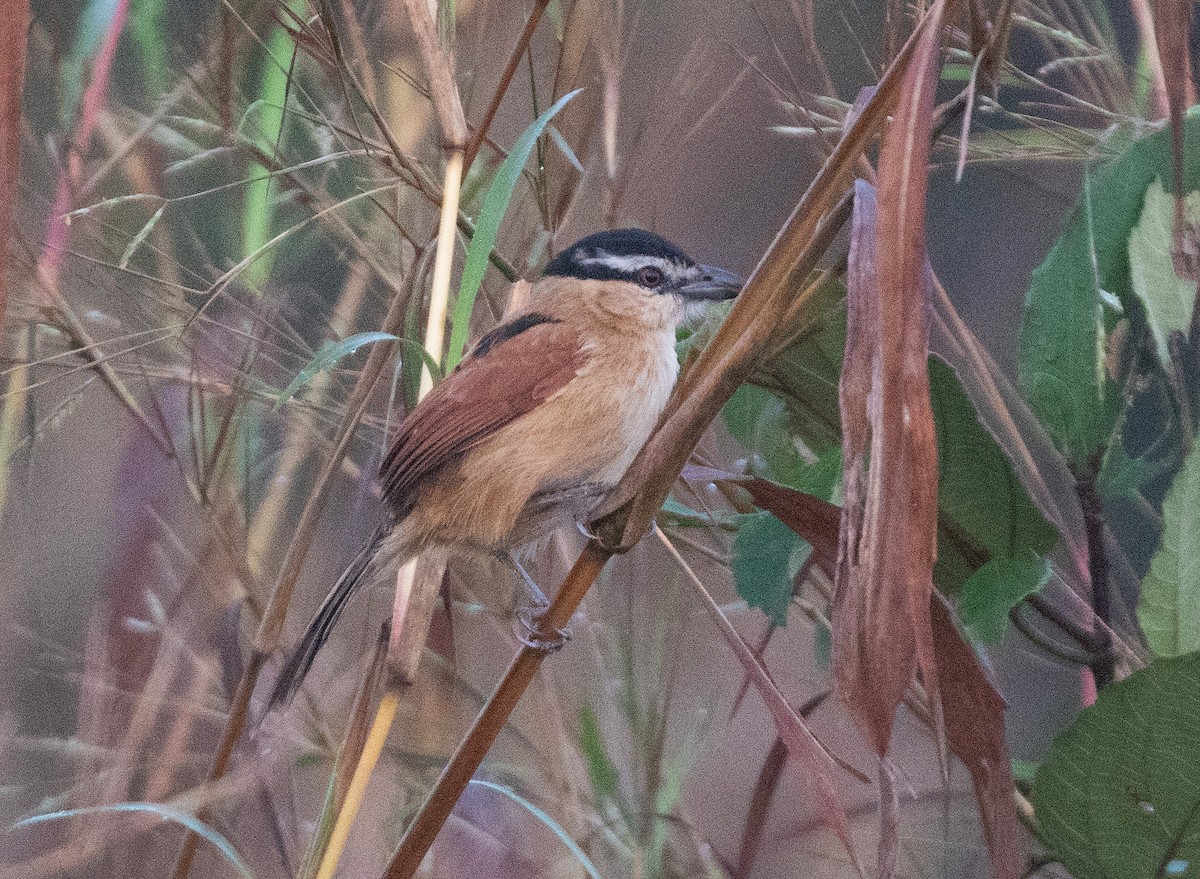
[[534, 427]]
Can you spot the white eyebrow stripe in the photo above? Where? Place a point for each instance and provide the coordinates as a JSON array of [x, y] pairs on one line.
[[630, 264]]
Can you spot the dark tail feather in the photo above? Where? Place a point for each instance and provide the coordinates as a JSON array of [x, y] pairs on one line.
[[318, 631]]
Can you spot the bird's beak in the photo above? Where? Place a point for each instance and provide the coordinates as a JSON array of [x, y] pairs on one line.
[[714, 284]]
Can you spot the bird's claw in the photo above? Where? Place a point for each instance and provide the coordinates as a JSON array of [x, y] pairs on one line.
[[586, 531], [534, 632]]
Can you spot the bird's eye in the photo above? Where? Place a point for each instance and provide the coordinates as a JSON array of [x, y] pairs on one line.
[[649, 276]]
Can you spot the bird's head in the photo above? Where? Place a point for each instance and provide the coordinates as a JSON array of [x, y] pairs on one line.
[[668, 281]]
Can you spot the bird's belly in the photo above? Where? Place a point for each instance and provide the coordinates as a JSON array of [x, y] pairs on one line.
[[551, 466]]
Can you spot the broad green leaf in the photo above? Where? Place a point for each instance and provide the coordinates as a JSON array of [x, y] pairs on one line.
[[1168, 298], [1169, 610], [1124, 477], [760, 421], [163, 811], [983, 510], [805, 374], [495, 205], [1024, 770], [1060, 361], [766, 556], [995, 589], [1118, 797], [330, 353], [676, 513]]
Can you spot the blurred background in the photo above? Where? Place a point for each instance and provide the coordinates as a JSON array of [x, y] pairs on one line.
[[147, 509]]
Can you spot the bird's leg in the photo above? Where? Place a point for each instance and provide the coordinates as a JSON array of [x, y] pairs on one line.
[[532, 618]]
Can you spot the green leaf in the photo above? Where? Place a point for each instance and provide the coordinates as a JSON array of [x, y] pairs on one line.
[[1060, 360], [984, 510], [1168, 298], [1124, 477], [1169, 610], [759, 420], [167, 813], [258, 211], [995, 589], [148, 29], [330, 353], [766, 556], [495, 205], [1024, 771], [602, 772], [676, 513], [1118, 797], [805, 374]]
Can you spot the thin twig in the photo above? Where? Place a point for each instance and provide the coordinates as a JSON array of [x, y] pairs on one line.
[[481, 130]]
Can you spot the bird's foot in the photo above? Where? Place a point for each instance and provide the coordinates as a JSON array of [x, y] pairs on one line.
[[536, 633]]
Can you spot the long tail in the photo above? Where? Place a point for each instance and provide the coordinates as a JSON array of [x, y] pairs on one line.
[[300, 661]]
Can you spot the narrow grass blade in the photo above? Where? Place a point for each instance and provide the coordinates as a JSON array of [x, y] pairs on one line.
[[495, 205], [555, 828], [165, 812], [330, 353], [12, 80], [258, 213]]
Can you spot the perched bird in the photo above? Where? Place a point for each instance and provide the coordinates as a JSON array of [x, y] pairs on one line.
[[540, 420]]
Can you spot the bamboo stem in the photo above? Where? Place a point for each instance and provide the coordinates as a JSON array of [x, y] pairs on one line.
[[443, 262], [384, 715], [409, 619]]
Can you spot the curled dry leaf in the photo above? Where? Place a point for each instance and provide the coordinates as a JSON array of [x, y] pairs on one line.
[[766, 311], [888, 541]]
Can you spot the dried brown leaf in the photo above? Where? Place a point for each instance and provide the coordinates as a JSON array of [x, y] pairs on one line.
[[756, 318], [974, 717], [889, 538], [439, 68], [812, 518]]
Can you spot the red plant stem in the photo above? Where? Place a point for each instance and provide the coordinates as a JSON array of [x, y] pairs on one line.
[[57, 228], [12, 79], [481, 130], [1102, 664]]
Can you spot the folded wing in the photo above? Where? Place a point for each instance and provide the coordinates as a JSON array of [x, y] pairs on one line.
[[511, 371]]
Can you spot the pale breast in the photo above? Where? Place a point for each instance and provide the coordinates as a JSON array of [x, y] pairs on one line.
[[588, 432]]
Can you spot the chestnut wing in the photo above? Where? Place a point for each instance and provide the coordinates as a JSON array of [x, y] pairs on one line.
[[510, 372]]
